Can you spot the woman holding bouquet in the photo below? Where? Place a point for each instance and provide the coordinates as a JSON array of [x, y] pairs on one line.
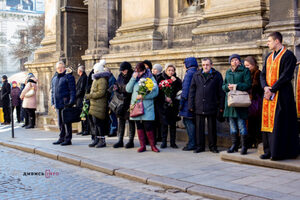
[[144, 88], [169, 85]]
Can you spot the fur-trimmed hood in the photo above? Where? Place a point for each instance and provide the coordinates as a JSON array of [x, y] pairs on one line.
[[101, 75]]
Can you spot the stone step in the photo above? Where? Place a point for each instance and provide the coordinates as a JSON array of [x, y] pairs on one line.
[[54, 128], [260, 149], [223, 139], [252, 158], [49, 127]]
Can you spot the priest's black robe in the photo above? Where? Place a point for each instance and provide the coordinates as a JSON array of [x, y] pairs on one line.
[[283, 142]]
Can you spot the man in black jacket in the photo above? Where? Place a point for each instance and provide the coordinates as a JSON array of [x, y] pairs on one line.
[[5, 92], [206, 92], [63, 94], [80, 92]]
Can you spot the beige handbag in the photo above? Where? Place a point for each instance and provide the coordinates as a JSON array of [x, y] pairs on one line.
[[238, 98]]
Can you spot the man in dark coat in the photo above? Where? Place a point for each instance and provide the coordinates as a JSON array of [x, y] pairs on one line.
[[63, 95], [279, 116], [5, 92], [80, 92], [206, 99]]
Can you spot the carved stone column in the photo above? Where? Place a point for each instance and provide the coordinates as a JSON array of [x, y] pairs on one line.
[[46, 56]]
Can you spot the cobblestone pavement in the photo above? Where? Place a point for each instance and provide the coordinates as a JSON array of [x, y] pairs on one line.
[[204, 168], [68, 182]]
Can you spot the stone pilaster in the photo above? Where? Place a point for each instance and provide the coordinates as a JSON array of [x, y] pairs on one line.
[[141, 34], [73, 37], [103, 21], [284, 18]]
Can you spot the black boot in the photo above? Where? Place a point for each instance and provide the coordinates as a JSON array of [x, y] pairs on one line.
[[235, 146], [164, 136], [173, 137], [244, 145], [119, 144], [101, 143], [121, 130], [95, 142], [130, 143], [31, 125]]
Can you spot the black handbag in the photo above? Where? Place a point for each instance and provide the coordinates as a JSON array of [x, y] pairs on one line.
[[116, 104], [71, 115]]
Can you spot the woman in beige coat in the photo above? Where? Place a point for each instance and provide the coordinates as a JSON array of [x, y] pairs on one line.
[[28, 96]]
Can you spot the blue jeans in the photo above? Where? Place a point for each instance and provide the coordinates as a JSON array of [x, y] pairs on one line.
[[190, 128], [236, 125], [113, 123]]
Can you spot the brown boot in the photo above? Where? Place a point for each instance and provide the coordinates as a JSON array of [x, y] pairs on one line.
[[142, 140], [151, 139]]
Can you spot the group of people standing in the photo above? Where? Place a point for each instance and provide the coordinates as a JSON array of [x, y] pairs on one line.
[[22, 99], [201, 96]]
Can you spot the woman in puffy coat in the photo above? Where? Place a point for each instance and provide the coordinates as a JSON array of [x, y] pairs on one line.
[[28, 96], [98, 106], [123, 115], [169, 105], [145, 121]]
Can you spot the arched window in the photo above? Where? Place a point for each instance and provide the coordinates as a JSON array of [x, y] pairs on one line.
[[200, 3]]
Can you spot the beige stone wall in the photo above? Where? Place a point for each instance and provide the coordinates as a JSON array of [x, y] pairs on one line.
[[134, 11]]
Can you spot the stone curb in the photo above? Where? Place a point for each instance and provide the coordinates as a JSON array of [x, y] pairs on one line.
[[99, 166], [169, 183], [19, 146], [131, 174], [134, 175], [46, 153], [247, 159]]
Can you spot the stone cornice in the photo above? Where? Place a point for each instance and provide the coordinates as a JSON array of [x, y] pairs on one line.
[[140, 25], [219, 27], [215, 14], [157, 55], [73, 9]]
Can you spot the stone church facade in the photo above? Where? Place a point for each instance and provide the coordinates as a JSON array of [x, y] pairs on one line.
[[161, 31]]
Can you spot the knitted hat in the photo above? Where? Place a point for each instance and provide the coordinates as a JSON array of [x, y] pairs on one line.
[[147, 62], [99, 67], [234, 56], [190, 62], [125, 65], [14, 82], [158, 67], [169, 65]]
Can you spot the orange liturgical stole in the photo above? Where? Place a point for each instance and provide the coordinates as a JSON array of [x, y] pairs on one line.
[[269, 106], [298, 93]]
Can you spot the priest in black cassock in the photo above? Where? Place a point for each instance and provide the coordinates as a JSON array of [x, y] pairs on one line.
[[279, 116]]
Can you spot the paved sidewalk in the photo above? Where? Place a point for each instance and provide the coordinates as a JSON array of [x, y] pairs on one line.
[[204, 171]]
